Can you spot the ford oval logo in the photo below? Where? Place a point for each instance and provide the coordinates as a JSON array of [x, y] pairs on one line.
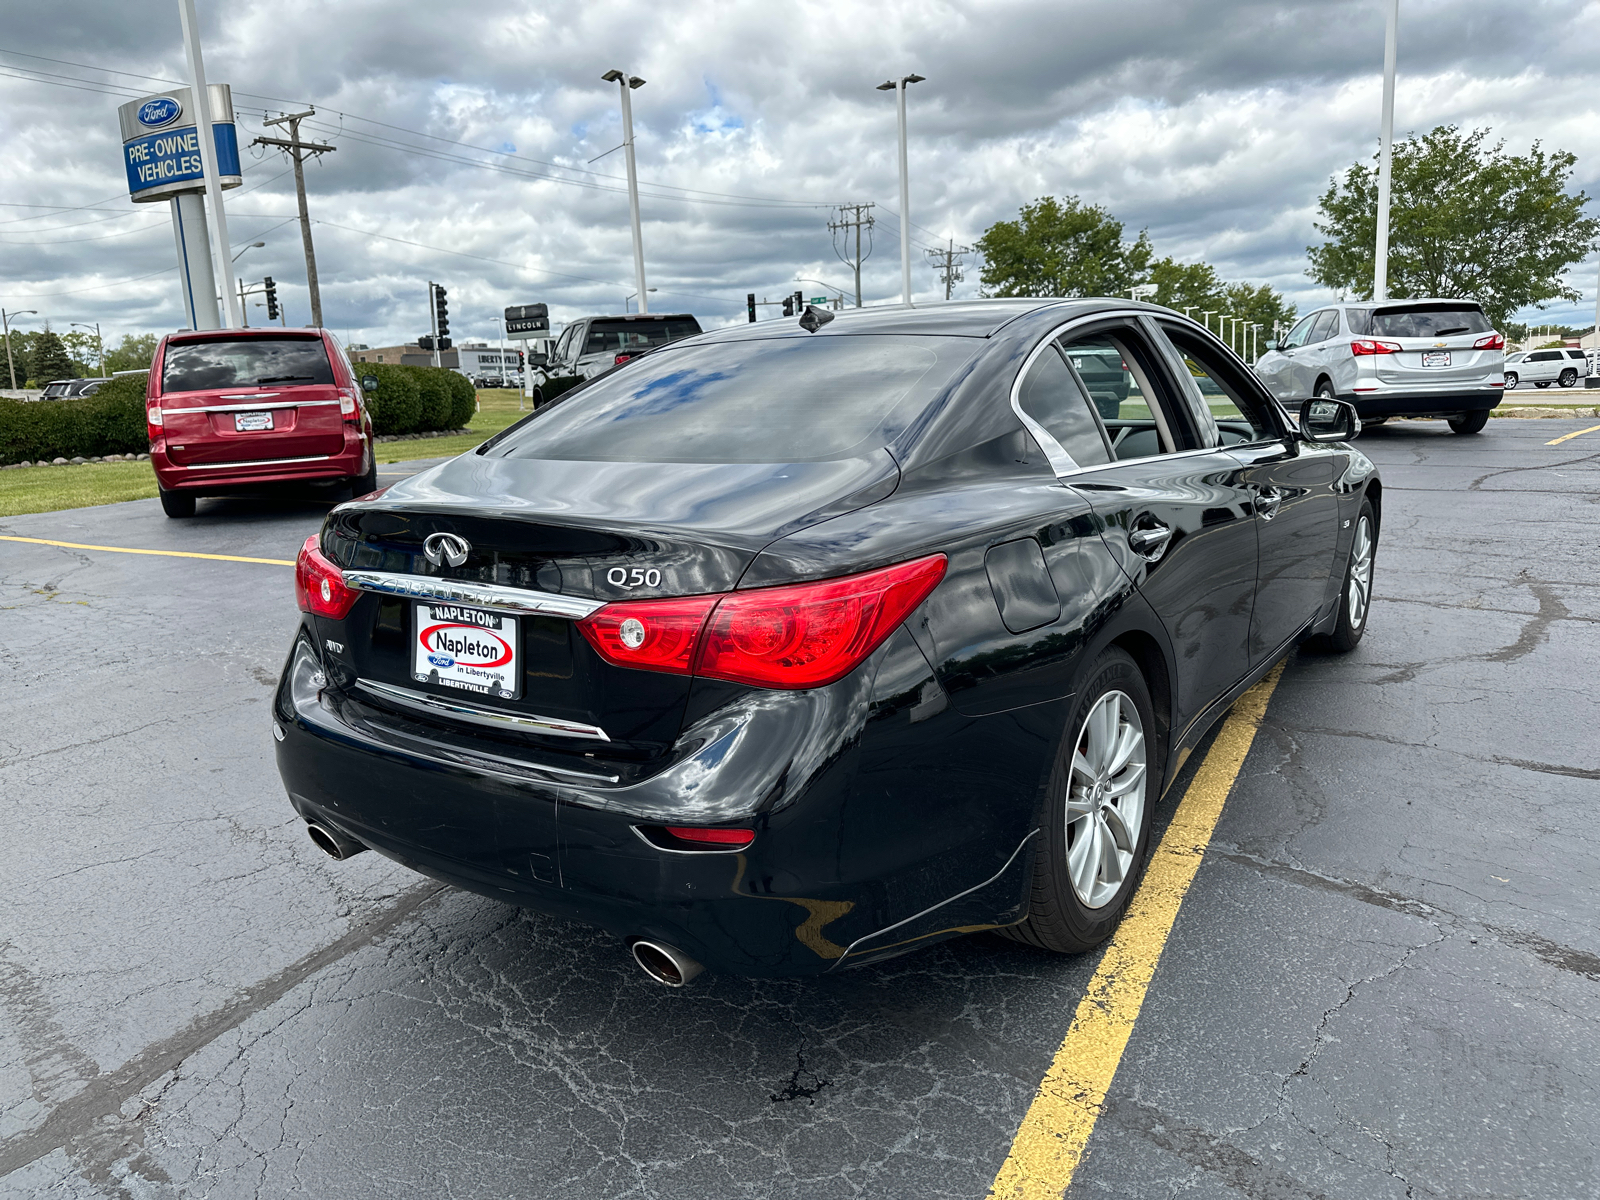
[[163, 110]]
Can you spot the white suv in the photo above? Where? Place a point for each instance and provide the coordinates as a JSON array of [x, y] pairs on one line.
[[1400, 358], [1544, 367]]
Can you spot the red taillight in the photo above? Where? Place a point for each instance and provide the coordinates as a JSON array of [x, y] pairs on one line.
[[733, 838], [653, 635], [1492, 342], [800, 636], [152, 414], [347, 404], [1363, 346], [621, 358], [319, 585]]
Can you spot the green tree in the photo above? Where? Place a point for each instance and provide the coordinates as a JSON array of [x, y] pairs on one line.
[[21, 358], [134, 353], [1187, 285], [85, 352], [1466, 220], [51, 360], [1061, 248], [1259, 306]]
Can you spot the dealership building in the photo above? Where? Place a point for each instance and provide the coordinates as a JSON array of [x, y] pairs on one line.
[[472, 359]]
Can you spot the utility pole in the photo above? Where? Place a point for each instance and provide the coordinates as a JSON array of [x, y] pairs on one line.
[[860, 217], [1380, 262], [948, 263], [296, 149]]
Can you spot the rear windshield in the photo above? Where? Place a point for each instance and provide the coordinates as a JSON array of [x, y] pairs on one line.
[[776, 400], [244, 362], [618, 337], [1420, 321]]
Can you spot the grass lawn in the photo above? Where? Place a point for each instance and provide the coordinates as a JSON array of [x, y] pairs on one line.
[[497, 408]]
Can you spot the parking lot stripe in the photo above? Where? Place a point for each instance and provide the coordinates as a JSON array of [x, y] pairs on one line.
[[1051, 1140], [1567, 437], [271, 562]]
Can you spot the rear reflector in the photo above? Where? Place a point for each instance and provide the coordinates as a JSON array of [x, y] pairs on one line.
[[732, 838], [1363, 346], [802, 635], [319, 585], [1492, 342]]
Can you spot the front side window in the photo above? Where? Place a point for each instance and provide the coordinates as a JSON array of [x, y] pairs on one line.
[[1052, 396], [769, 400], [200, 365], [1236, 405], [1297, 335]]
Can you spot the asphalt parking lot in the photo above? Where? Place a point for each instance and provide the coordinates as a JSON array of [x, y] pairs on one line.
[[1383, 981]]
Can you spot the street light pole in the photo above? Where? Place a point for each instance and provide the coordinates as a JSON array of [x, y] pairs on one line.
[[99, 346], [1205, 318], [1380, 262], [627, 84], [206, 136], [5, 328], [898, 86]]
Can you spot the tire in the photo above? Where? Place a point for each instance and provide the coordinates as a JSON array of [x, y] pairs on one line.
[[1511, 381], [1324, 390], [1471, 422], [1541, 383], [1355, 596], [176, 504], [1089, 805], [1569, 378]]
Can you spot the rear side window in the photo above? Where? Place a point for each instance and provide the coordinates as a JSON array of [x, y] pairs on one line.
[[772, 400], [622, 337], [1327, 325], [1428, 321], [192, 366], [1050, 395]]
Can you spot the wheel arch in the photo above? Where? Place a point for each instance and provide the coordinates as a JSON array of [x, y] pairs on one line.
[[1374, 494], [1151, 660]]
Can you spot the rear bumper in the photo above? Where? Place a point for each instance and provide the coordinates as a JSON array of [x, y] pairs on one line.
[[842, 870], [214, 478], [1398, 403]]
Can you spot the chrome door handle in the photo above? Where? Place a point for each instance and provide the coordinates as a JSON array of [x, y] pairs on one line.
[[1267, 501], [1150, 543]]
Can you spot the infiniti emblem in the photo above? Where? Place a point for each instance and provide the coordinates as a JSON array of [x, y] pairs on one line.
[[440, 548]]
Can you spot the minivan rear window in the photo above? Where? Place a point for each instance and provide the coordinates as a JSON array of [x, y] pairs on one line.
[[192, 366], [621, 337], [1419, 321], [772, 400]]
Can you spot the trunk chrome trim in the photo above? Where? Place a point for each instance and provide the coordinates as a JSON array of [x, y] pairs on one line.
[[494, 718], [178, 412], [252, 462], [482, 595]]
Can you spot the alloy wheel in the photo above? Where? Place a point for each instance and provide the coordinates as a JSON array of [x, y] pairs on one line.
[[1105, 799], [1359, 588]]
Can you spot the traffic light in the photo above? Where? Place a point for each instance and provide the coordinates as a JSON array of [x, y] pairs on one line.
[[788, 306], [425, 342], [750, 304], [442, 310], [272, 298], [799, 302]]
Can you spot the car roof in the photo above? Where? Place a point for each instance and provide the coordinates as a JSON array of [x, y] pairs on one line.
[[1408, 302], [960, 318], [189, 335]]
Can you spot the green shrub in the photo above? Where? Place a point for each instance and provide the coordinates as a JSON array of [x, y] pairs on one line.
[[112, 421], [396, 403], [437, 402], [465, 401]]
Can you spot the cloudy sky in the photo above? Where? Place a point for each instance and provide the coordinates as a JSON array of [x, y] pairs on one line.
[[465, 133]]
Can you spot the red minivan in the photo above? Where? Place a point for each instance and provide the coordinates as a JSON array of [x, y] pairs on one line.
[[233, 410]]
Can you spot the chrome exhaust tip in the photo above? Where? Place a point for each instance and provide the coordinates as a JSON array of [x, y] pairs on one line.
[[331, 842], [665, 964]]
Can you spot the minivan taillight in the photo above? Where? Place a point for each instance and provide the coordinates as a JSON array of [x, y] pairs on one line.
[[802, 635], [319, 586], [152, 414], [1364, 346], [1492, 342], [347, 405]]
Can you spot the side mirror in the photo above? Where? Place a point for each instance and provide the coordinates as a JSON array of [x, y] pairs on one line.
[[369, 383], [537, 359], [1280, 345], [1323, 420]]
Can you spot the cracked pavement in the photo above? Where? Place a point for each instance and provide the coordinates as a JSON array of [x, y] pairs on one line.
[[1383, 982]]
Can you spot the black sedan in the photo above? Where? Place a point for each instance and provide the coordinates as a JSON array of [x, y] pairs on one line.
[[796, 646]]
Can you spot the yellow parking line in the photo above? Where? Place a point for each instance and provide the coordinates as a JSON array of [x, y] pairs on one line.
[[1567, 437], [271, 562], [1050, 1143]]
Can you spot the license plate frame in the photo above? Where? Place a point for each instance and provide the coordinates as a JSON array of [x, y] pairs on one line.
[[1436, 358], [253, 422], [454, 646]]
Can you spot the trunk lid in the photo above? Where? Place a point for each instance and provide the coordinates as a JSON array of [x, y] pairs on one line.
[[249, 424], [587, 532]]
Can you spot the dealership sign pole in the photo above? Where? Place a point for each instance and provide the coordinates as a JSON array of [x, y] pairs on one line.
[[1380, 261], [210, 174]]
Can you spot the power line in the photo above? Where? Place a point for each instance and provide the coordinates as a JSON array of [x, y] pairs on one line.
[[859, 218], [948, 263]]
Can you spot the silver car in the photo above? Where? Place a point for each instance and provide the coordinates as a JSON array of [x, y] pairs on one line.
[[1400, 358]]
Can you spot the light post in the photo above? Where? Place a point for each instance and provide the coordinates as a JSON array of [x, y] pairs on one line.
[[1205, 318], [1189, 308], [208, 148], [898, 87], [244, 305], [1380, 262], [99, 346], [251, 246], [630, 299], [839, 303], [5, 327], [1142, 291], [628, 83]]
